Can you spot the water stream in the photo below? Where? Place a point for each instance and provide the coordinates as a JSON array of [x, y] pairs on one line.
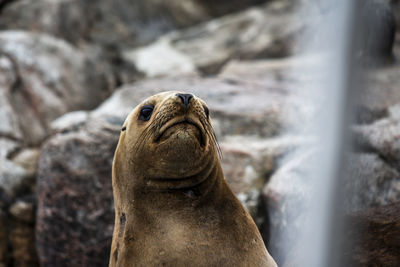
[[331, 40]]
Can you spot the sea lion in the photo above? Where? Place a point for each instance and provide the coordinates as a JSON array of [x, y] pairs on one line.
[[173, 206]]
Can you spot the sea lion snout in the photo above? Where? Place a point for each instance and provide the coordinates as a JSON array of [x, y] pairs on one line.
[[185, 98]]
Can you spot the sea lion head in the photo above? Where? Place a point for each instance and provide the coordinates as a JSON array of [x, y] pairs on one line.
[[167, 136]]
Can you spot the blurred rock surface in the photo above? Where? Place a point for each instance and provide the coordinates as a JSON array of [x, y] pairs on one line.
[[375, 234], [266, 31], [22, 235], [41, 78], [122, 23], [371, 182], [46, 77]]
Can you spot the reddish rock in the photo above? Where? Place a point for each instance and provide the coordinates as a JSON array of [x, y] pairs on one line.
[[375, 235], [75, 209]]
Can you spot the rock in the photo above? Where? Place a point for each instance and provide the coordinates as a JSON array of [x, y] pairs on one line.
[[27, 159], [247, 164], [9, 125], [7, 147], [371, 182], [160, 58], [22, 234], [70, 121], [22, 239], [260, 32], [105, 29], [4, 228], [23, 211], [380, 137], [12, 177], [275, 73], [17, 167], [379, 91], [123, 23], [375, 234], [377, 28], [4, 257], [45, 77], [75, 210]]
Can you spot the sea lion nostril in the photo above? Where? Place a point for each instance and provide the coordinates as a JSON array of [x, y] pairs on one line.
[[185, 98]]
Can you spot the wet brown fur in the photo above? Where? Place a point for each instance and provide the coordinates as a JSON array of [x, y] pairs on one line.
[[173, 206]]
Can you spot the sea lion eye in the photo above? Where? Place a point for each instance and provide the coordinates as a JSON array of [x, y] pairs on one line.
[[206, 111], [145, 112]]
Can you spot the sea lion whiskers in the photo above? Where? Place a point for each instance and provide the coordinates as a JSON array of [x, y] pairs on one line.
[[217, 144], [211, 135]]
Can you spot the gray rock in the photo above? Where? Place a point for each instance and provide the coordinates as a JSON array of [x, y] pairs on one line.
[[379, 91], [160, 59], [12, 176], [27, 158], [380, 137], [118, 23], [260, 32], [7, 146], [70, 121], [9, 126], [45, 78], [370, 183], [248, 162]]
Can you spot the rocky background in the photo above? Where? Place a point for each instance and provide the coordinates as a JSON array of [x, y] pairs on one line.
[[71, 70]]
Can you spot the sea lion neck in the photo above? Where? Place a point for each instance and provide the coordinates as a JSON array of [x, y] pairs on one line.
[[171, 197], [196, 183]]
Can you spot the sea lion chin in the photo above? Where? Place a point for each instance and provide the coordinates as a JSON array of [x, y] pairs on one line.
[[173, 206], [183, 131]]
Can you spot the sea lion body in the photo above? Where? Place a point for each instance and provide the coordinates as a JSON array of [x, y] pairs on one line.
[[173, 206]]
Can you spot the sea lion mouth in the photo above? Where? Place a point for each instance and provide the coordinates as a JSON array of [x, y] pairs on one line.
[[173, 123]]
